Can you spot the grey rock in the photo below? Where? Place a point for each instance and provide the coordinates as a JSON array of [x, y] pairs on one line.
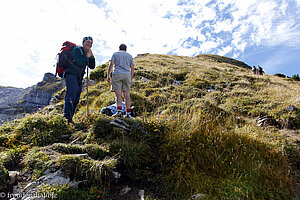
[[125, 190], [31, 190], [146, 80], [48, 76], [198, 196], [266, 120], [36, 99], [117, 175], [142, 194], [120, 124], [13, 176]]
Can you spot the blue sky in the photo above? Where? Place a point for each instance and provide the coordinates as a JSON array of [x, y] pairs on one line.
[[258, 32]]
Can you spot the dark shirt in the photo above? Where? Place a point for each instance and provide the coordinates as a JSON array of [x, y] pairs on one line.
[[79, 61]]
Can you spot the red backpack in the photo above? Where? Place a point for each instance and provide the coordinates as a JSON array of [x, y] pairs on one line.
[[64, 58]]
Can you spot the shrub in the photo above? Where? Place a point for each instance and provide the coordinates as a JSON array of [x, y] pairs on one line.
[[102, 128], [296, 77], [100, 73], [280, 75], [41, 130]]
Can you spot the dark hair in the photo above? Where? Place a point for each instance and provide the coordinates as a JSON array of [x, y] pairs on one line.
[[123, 47], [87, 38]]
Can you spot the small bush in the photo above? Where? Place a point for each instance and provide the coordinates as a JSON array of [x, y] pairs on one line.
[[280, 75], [103, 131], [296, 77], [100, 73], [41, 130]]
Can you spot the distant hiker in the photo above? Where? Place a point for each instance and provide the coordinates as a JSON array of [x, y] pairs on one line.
[[260, 70], [81, 57], [122, 69], [254, 69]]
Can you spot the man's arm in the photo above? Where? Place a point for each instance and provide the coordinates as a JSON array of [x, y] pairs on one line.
[[132, 71], [110, 67]]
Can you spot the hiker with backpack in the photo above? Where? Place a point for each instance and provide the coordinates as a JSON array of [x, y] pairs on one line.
[[260, 70], [75, 64], [254, 70], [122, 69]]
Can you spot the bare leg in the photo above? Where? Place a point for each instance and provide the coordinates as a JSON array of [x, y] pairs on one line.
[[118, 97], [127, 100]]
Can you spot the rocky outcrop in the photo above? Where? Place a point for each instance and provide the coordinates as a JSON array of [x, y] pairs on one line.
[[9, 98], [40, 95], [15, 102], [36, 99]]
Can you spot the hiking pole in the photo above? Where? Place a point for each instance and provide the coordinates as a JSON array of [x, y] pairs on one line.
[[87, 95]]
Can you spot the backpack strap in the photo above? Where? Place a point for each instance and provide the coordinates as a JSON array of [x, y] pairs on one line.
[[81, 50]]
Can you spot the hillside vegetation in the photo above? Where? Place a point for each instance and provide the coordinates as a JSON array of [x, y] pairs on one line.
[[195, 133]]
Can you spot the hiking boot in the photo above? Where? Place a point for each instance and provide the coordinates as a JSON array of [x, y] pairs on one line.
[[128, 115], [118, 114]]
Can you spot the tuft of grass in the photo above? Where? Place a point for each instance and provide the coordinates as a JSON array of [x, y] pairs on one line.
[[93, 150], [93, 171], [135, 158], [11, 158], [205, 149], [39, 160]]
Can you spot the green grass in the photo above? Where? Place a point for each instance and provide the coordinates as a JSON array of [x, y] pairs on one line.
[[195, 133]]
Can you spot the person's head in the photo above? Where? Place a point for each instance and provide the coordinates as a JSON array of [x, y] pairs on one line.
[[87, 42], [123, 47]]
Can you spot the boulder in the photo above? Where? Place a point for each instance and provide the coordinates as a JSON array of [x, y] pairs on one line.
[[48, 76]]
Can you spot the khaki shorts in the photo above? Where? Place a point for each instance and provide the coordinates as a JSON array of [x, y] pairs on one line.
[[121, 82]]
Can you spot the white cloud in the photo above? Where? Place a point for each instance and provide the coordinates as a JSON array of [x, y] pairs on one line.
[[225, 50], [32, 31], [225, 26]]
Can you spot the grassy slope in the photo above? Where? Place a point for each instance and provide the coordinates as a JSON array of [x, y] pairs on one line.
[[195, 133]]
